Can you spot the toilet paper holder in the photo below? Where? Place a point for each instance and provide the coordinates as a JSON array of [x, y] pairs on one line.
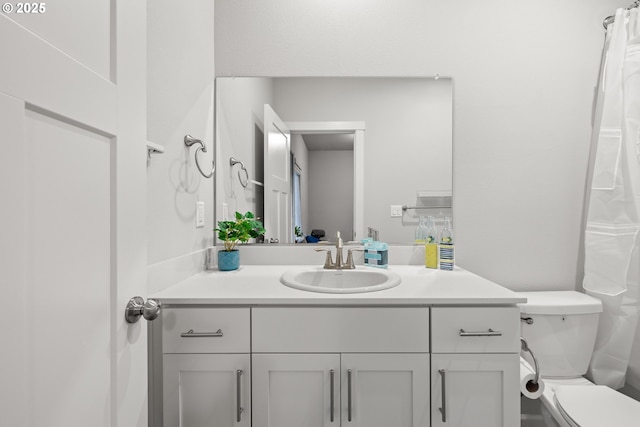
[[525, 347]]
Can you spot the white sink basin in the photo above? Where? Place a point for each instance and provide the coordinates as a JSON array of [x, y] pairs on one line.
[[340, 281]]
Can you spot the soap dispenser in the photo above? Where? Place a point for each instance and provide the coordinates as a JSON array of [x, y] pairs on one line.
[[431, 244], [421, 231], [446, 246], [376, 254]]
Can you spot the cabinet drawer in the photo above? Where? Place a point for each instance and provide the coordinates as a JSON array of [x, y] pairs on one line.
[[340, 329], [475, 330], [206, 330]]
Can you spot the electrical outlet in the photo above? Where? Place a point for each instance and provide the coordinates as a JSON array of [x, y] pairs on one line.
[[199, 214], [396, 211]]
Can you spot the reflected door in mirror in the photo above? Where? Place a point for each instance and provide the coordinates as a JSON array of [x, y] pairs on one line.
[[277, 190]]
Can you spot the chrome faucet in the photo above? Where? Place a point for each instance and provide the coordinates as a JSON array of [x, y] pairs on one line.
[[339, 264]]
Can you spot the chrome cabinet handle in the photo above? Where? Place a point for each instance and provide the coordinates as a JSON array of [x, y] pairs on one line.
[[443, 410], [349, 395], [489, 333], [191, 334], [331, 403], [239, 408]]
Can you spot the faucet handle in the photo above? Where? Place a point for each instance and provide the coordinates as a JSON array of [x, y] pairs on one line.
[[349, 263], [328, 263]]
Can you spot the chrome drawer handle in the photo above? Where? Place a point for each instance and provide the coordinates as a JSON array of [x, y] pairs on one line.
[[349, 395], [443, 409], [331, 398], [489, 333], [239, 407], [191, 334]]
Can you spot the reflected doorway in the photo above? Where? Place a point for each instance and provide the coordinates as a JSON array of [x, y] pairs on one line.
[[323, 184]]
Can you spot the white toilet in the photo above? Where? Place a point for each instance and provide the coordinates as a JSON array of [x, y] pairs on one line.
[[560, 328]]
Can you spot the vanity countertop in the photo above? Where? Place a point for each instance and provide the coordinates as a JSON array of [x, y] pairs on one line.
[[260, 285]]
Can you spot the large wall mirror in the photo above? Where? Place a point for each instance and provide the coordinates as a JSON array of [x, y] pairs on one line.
[[334, 154]]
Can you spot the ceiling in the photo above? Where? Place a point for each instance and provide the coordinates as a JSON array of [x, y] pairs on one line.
[[328, 141]]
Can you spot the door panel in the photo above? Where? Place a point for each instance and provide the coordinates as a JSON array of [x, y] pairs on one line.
[[200, 390], [95, 25], [386, 390], [47, 78], [293, 390], [69, 234], [480, 390], [72, 178], [13, 370], [277, 173]]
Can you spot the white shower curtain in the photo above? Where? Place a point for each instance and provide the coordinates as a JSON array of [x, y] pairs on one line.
[[612, 238]]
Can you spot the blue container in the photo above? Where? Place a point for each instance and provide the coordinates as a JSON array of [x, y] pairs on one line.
[[376, 254], [228, 260]]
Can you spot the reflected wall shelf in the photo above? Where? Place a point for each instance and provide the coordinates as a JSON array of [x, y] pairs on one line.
[[431, 200]]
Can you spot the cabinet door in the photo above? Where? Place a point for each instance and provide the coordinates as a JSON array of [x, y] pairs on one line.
[[382, 390], [293, 390], [475, 390], [207, 390]]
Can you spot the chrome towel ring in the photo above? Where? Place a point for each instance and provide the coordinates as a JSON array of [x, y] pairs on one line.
[[233, 161], [189, 141]]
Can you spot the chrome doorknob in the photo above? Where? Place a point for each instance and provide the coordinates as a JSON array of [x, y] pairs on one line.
[[136, 307]]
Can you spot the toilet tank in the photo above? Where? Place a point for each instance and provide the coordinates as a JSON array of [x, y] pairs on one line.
[[561, 331]]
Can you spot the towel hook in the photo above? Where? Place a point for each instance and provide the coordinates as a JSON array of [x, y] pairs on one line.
[[233, 161], [189, 141]]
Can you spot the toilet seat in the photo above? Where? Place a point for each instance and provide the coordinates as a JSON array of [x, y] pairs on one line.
[[596, 406]]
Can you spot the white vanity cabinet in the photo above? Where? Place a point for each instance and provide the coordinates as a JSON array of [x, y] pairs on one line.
[[475, 366], [332, 366], [375, 374], [206, 368]]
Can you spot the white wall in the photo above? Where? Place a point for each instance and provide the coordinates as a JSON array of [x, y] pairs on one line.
[[331, 193], [524, 76], [180, 101], [239, 134]]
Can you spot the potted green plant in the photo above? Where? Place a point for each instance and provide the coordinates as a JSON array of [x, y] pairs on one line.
[[244, 227]]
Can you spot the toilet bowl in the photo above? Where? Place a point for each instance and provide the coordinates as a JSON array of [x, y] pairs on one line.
[[560, 327]]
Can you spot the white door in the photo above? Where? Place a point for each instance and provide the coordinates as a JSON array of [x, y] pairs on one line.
[[293, 390], [381, 390], [277, 177], [475, 390], [72, 182], [202, 390]]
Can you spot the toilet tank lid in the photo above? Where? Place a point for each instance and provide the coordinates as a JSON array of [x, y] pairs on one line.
[[559, 302]]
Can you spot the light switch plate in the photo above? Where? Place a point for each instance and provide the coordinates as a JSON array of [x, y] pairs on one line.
[[396, 211], [225, 212], [199, 214]]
